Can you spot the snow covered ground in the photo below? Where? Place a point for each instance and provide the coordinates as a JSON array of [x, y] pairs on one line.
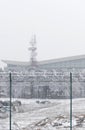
[[37, 114]]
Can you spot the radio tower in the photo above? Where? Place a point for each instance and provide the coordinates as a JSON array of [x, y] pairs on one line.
[[32, 49]]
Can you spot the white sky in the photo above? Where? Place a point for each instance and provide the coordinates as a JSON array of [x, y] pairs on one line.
[[58, 24]]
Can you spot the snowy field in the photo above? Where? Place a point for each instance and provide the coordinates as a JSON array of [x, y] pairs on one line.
[[37, 114]]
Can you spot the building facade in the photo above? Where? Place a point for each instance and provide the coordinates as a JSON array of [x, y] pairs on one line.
[[49, 79], [68, 63]]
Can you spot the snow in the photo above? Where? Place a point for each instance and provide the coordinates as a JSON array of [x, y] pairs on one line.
[[51, 115]]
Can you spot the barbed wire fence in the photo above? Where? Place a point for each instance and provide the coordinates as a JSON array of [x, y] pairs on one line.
[[42, 86]]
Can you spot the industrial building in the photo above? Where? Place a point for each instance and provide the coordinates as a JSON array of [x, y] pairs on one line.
[[46, 79], [67, 63]]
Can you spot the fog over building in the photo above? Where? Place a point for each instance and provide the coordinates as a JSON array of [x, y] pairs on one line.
[[48, 79], [67, 63]]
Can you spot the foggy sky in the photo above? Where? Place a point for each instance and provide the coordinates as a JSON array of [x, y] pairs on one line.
[[59, 26]]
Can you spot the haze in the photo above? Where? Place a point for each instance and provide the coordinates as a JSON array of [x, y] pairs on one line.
[[59, 26]]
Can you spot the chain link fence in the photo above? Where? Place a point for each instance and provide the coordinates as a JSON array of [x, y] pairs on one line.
[[42, 101]]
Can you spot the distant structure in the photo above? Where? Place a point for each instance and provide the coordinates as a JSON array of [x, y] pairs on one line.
[[33, 61], [49, 79], [32, 49], [70, 64]]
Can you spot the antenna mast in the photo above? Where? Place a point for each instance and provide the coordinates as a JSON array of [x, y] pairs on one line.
[[32, 49]]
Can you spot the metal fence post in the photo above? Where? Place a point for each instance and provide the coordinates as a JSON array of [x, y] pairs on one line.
[[70, 101], [10, 100]]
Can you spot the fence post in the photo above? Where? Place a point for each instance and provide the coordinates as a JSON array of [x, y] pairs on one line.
[[10, 100], [70, 101]]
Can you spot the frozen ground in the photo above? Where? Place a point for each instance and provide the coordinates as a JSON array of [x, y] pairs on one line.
[[36, 114]]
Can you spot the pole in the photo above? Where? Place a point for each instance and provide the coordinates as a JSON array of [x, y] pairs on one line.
[[70, 101], [10, 99]]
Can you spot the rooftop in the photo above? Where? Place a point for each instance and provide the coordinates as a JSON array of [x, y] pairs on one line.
[[71, 58]]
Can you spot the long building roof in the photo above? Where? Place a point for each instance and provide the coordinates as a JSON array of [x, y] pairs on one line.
[[71, 58], [10, 62]]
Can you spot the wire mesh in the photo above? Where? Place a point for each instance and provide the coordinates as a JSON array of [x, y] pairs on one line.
[[44, 101]]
